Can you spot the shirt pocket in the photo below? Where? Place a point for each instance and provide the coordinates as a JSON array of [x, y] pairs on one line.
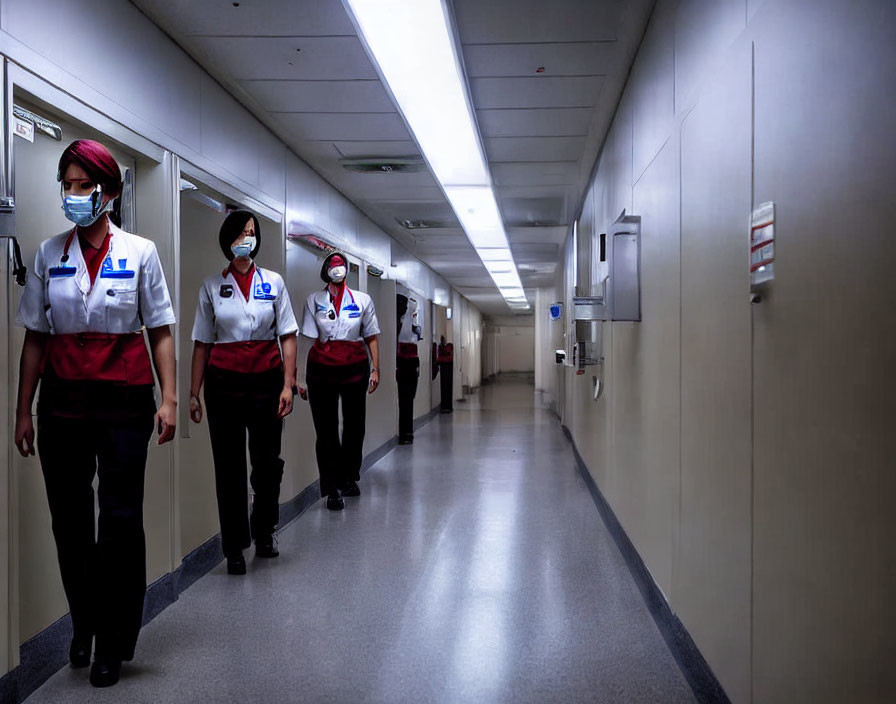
[[121, 307]]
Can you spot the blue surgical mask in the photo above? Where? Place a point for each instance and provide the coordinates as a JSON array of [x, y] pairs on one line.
[[85, 210], [244, 248]]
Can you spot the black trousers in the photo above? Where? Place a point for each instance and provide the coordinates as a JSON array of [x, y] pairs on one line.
[[338, 459], [407, 374], [103, 564], [236, 404], [446, 372]]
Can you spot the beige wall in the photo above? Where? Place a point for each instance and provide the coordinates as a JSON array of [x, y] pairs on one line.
[[746, 449]]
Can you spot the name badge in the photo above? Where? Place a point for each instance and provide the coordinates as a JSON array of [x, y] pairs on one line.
[[58, 272], [226, 291], [263, 292], [352, 306], [107, 272], [354, 315]]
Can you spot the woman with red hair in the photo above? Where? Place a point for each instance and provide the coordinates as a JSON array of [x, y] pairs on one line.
[[92, 291], [344, 328]]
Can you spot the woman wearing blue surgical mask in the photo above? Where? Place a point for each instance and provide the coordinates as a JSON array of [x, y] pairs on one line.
[[342, 365], [92, 291], [244, 351]]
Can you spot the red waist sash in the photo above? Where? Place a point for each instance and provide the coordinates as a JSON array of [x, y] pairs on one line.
[[249, 356], [97, 356], [337, 353], [407, 350]]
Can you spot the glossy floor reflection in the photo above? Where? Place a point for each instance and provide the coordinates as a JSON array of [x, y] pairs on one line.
[[474, 568]]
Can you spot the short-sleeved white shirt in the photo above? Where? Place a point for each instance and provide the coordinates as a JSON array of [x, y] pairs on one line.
[[224, 315], [411, 325], [355, 321], [129, 291]]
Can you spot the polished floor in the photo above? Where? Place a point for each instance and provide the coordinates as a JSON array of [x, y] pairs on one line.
[[474, 568]]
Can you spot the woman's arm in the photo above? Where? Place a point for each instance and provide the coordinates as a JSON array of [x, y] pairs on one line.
[[289, 345], [201, 351], [29, 374], [162, 344], [373, 344], [303, 346]]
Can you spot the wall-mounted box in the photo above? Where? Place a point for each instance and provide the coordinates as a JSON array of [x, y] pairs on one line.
[[616, 270]]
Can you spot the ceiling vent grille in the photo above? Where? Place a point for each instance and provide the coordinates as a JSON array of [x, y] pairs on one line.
[[384, 166]]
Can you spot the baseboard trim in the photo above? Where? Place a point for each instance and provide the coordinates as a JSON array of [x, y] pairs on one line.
[[44, 654], [699, 675]]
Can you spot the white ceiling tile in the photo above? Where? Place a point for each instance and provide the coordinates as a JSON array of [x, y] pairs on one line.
[[317, 58], [537, 235], [542, 92], [560, 173], [251, 18], [320, 96], [344, 126], [510, 149], [545, 122], [364, 150], [580, 59], [495, 21]]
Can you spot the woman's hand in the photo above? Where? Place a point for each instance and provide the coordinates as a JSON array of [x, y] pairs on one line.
[[303, 391], [374, 380], [285, 407], [166, 421], [24, 434], [195, 409]]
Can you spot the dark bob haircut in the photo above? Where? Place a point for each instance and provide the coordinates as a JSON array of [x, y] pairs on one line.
[[326, 265], [232, 227], [97, 162]]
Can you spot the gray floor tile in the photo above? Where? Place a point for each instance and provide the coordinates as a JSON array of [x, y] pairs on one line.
[[474, 568]]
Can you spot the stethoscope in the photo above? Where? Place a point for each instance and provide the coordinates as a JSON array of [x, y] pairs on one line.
[[331, 314], [68, 243]]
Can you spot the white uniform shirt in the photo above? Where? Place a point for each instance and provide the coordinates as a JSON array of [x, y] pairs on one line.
[[224, 315], [355, 322], [128, 293], [411, 325]]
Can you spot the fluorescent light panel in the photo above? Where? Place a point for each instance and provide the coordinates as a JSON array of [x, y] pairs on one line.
[[412, 44]]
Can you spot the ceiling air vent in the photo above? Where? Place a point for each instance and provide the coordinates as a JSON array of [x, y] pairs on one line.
[[394, 165], [423, 224]]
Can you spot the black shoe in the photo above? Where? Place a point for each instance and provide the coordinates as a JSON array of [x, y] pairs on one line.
[[350, 489], [79, 652], [105, 672], [236, 564], [406, 440], [266, 547], [335, 502]]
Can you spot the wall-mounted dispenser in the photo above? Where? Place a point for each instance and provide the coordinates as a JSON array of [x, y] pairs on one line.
[[615, 274]]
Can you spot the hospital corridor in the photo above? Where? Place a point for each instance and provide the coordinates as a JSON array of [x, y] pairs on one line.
[[448, 351]]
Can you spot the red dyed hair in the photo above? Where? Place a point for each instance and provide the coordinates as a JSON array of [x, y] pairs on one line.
[[97, 162]]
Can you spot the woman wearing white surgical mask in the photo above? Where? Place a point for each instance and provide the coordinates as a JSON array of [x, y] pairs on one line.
[[242, 315], [407, 365], [343, 325], [92, 291]]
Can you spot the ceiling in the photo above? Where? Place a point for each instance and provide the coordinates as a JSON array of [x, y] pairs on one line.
[[544, 78]]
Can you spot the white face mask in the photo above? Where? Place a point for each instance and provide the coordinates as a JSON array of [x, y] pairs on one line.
[[337, 274], [244, 248]]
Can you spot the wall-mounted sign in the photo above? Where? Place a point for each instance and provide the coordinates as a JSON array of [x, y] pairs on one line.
[[555, 311], [24, 128], [762, 244]]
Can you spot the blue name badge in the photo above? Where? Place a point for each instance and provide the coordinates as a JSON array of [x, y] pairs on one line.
[[354, 315], [58, 272], [352, 306], [107, 272], [263, 292]]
